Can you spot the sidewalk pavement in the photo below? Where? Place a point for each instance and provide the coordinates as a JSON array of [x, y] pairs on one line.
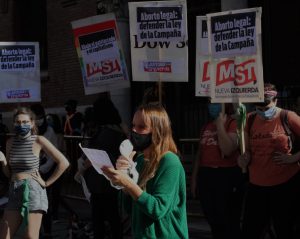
[[198, 227]]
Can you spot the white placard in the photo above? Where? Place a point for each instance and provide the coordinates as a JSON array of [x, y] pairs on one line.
[[158, 39], [100, 54], [202, 59], [236, 70], [19, 72]]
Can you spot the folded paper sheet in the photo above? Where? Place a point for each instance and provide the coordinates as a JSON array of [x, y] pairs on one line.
[[99, 159]]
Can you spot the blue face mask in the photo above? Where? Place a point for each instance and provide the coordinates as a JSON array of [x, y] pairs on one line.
[[214, 110], [22, 130], [268, 114]]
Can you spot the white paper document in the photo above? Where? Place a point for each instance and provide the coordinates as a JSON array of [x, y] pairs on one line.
[[99, 159]]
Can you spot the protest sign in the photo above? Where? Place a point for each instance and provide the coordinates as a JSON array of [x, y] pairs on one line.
[[101, 58], [163, 23], [202, 59], [233, 34], [19, 72], [236, 71], [158, 36]]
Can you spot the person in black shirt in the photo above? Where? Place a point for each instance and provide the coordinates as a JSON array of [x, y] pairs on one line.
[[103, 126]]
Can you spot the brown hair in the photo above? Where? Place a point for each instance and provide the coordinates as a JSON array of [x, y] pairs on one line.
[[26, 111], [162, 141]]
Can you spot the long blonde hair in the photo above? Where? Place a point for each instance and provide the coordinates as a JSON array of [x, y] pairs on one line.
[[162, 141]]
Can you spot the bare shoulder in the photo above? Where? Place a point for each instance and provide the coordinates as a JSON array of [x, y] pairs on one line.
[[292, 117], [41, 140], [292, 114]]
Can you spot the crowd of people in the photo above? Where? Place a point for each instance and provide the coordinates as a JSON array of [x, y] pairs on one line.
[[265, 199], [236, 204]]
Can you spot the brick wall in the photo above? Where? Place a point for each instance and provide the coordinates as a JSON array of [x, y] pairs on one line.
[[7, 28], [6, 22], [64, 80]]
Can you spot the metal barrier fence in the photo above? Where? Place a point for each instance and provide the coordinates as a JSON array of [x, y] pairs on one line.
[[72, 189], [72, 193], [187, 146]]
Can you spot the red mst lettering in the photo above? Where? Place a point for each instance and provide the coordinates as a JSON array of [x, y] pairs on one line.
[[105, 67], [240, 74]]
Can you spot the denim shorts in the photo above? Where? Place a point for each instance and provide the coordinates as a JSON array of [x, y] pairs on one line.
[[37, 196]]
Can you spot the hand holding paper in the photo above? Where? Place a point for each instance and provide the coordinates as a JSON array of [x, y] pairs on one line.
[[117, 177], [99, 160]]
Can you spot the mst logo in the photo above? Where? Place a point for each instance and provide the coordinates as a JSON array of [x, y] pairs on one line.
[[104, 67], [205, 75], [241, 74]]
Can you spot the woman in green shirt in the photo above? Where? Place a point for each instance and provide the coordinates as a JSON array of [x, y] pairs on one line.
[[157, 203]]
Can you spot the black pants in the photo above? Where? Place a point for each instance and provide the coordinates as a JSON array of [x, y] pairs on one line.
[[276, 205], [221, 195], [56, 197], [105, 207]]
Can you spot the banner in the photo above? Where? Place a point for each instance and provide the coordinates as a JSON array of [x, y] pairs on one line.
[[163, 23], [202, 59], [236, 70], [19, 72], [158, 38], [101, 58]]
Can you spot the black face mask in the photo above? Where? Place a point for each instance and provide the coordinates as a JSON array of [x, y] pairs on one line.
[[140, 141]]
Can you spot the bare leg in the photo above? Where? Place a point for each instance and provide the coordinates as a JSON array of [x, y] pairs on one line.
[[34, 225], [9, 224]]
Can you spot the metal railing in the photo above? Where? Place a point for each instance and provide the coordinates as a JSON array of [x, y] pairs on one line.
[[187, 146]]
